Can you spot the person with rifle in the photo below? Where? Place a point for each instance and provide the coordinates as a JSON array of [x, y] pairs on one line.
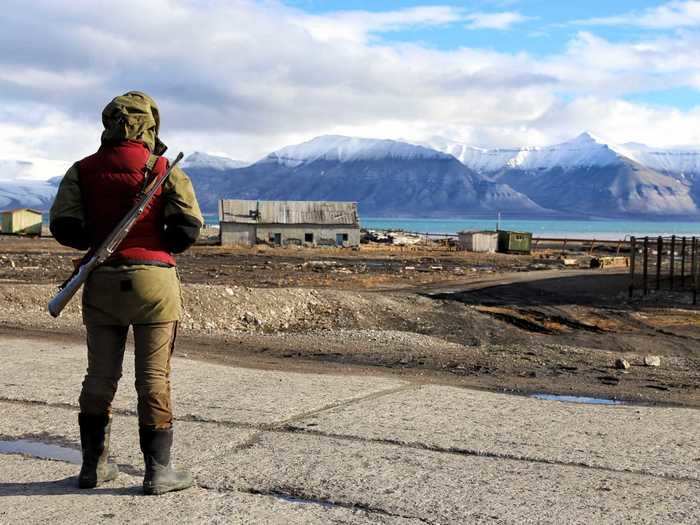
[[136, 284]]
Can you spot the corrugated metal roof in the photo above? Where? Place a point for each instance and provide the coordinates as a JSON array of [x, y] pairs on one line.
[[288, 212]]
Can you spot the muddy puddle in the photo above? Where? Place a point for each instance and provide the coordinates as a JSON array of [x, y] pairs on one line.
[[37, 449], [578, 399]]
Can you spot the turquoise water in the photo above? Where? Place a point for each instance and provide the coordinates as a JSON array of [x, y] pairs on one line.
[[590, 229]]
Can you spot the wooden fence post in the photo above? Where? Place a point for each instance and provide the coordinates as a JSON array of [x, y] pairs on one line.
[[673, 261], [659, 249], [683, 248], [645, 267], [633, 247], [693, 260], [695, 270]]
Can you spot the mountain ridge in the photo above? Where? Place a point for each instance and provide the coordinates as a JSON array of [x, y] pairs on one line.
[[585, 150], [385, 177], [584, 176]]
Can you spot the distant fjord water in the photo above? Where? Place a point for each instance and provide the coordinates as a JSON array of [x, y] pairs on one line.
[[601, 229]]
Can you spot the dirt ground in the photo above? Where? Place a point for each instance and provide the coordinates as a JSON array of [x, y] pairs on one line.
[[520, 324]]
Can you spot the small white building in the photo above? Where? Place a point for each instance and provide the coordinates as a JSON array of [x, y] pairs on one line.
[[284, 223], [483, 241]]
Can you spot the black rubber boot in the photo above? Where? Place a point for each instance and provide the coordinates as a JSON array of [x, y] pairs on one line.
[[160, 476], [94, 440]]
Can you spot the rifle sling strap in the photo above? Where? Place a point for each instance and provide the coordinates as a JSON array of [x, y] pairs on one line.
[[151, 162], [148, 181]]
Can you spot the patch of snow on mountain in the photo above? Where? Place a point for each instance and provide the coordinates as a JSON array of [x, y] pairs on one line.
[[202, 160], [480, 160], [347, 149], [26, 194], [678, 161], [582, 151]]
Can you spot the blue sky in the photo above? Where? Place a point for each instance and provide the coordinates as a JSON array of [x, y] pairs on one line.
[[242, 78], [547, 28]]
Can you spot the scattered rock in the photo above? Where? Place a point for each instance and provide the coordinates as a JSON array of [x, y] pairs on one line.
[[652, 360], [622, 364]]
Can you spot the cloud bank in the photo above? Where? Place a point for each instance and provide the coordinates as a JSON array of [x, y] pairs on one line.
[[241, 78]]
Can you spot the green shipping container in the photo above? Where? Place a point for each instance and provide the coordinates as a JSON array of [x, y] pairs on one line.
[[514, 242]]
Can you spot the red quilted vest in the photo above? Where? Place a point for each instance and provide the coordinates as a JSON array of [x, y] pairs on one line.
[[110, 181]]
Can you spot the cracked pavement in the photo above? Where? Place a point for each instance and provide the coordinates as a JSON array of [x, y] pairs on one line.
[[269, 446]]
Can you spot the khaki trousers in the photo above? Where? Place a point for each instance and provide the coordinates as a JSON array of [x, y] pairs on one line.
[[153, 347]]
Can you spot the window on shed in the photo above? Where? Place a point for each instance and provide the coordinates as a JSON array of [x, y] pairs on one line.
[[308, 237]]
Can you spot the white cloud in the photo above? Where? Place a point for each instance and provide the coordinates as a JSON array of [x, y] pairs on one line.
[[504, 20], [246, 77], [621, 121], [676, 14], [357, 26]]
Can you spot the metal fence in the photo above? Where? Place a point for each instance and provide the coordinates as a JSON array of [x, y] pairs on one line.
[[669, 263]]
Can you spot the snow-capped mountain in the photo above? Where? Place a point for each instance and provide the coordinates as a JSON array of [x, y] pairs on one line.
[[24, 184], [385, 177], [678, 161], [584, 176], [26, 194], [199, 160], [337, 148], [480, 160], [588, 176], [625, 188], [584, 151]]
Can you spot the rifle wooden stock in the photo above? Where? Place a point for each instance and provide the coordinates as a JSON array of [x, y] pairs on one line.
[[70, 288], [108, 246]]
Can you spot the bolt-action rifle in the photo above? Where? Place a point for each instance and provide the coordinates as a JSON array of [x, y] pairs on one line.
[[97, 256]]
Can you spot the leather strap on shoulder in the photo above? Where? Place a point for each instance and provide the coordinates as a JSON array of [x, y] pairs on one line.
[[151, 162], [148, 181]]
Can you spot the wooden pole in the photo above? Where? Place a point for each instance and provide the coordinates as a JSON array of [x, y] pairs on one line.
[[673, 261], [645, 267], [633, 246], [693, 260], [696, 271], [659, 249], [683, 248]]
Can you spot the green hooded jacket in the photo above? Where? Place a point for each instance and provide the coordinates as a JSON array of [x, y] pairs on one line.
[[154, 295]]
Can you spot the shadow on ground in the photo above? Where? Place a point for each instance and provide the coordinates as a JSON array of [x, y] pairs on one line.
[[62, 487]]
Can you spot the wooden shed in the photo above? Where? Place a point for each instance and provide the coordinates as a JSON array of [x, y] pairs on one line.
[[481, 241], [22, 221], [282, 223]]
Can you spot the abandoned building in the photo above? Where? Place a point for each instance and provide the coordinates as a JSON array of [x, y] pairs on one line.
[[22, 221], [482, 241], [284, 223]]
